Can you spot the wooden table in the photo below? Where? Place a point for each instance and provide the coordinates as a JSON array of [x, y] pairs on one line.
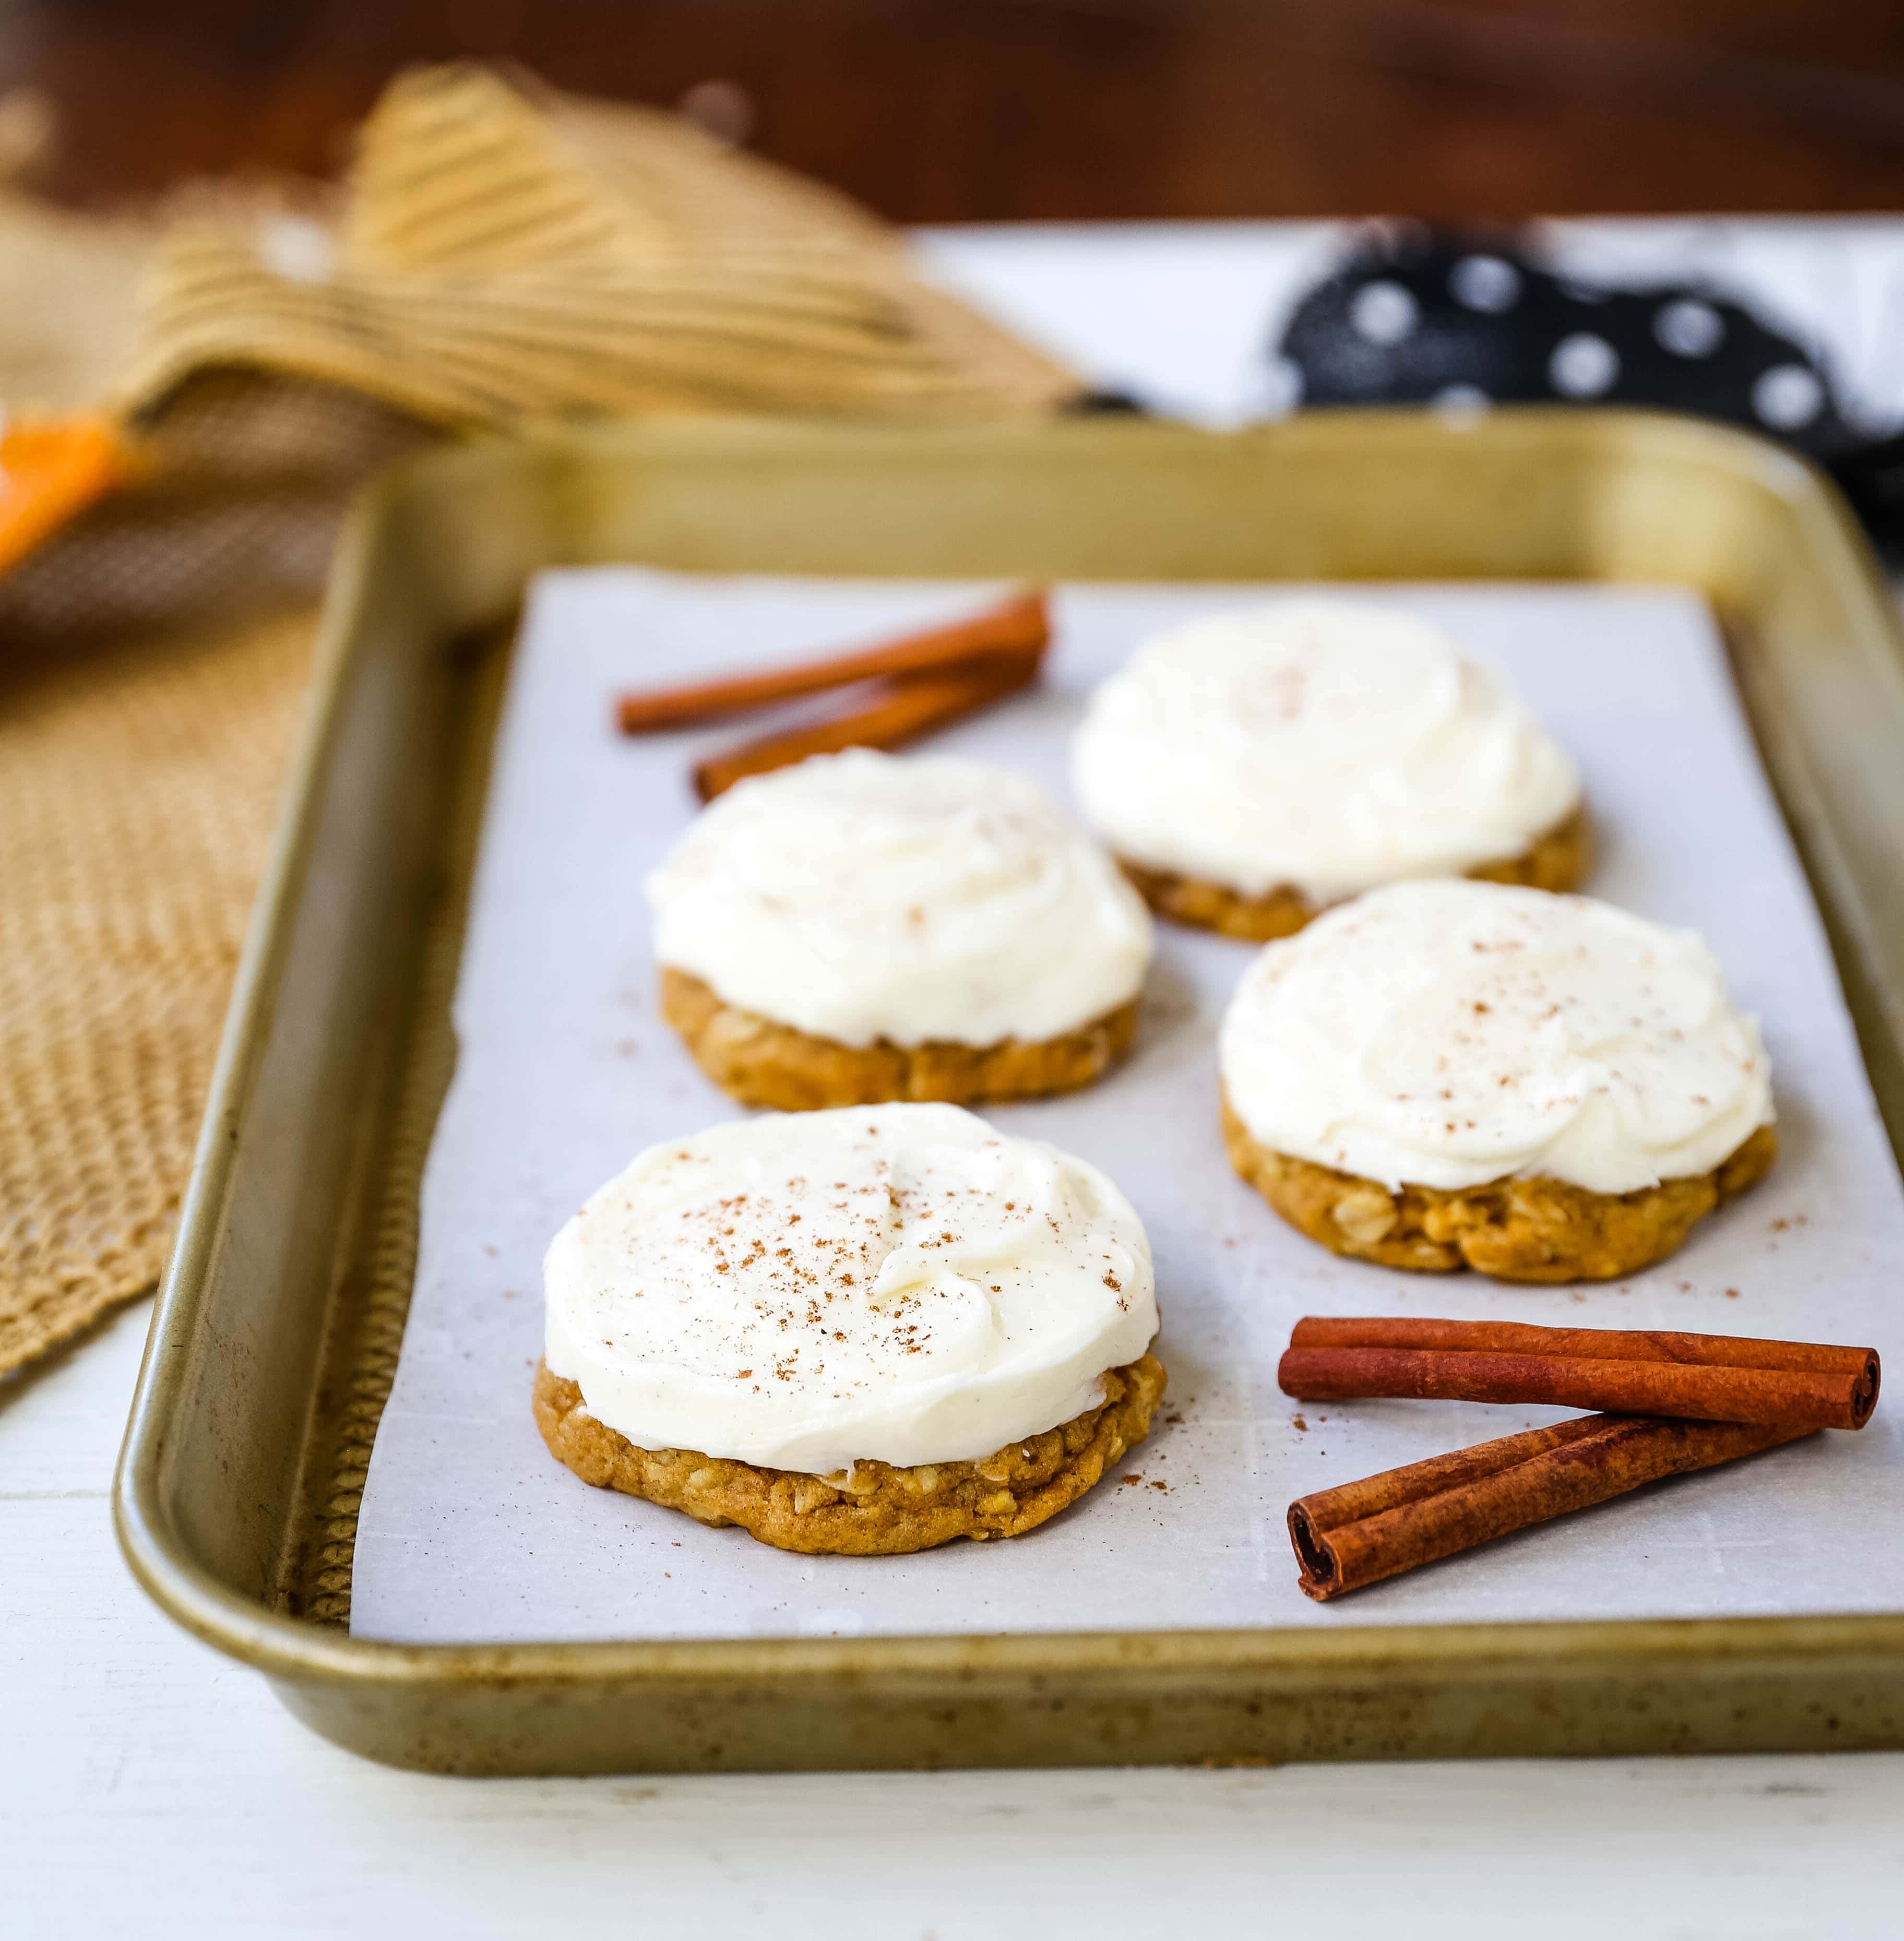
[[148, 1787], [959, 111]]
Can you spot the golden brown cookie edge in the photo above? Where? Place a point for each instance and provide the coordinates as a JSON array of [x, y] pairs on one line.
[[879, 1510], [759, 1061], [1537, 1229], [1558, 861]]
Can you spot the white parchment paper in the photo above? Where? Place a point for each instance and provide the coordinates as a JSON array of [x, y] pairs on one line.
[[471, 1531]]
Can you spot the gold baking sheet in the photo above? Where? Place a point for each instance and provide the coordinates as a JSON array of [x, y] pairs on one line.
[[278, 1324]]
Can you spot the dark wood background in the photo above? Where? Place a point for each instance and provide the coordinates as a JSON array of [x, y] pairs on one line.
[[948, 110]]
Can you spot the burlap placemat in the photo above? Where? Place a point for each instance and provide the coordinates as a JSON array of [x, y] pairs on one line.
[[499, 254], [136, 787]]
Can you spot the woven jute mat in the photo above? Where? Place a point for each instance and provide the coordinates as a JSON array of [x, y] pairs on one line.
[[500, 254], [136, 785]]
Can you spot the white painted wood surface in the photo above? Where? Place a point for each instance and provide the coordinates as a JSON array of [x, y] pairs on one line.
[[149, 1788]]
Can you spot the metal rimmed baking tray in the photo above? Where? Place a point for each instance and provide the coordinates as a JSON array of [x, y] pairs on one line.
[[279, 1321]]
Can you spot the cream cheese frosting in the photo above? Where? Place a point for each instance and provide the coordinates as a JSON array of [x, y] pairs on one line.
[[1446, 1033], [1317, 745], [864, 896], [897, 1283]]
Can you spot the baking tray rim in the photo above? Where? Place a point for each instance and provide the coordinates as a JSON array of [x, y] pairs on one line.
[[301, 1650]]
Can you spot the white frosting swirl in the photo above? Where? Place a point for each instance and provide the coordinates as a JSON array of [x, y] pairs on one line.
[[896, 1283], [1315, 744], [1446, 1033], [862, 896]]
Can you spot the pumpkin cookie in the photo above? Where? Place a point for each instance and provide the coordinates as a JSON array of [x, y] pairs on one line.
[[1252, 770], [1532, 1230], [1449, 1074], [858, 1331], [864, 927], [873, 1509], [1558, 860], [760, 1062]]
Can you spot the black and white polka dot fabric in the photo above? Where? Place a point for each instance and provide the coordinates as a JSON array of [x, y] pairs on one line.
[[1440, 319]]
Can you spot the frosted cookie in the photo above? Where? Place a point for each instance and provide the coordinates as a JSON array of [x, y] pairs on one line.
[[860, 1332], [864, 927], [1252, 768], [1448, 1074]]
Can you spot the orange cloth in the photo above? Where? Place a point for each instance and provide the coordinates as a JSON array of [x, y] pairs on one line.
[[51, 469]]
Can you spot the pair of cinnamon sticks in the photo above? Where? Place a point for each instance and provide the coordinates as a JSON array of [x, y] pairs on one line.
[[1669, 1403], [914, 685]]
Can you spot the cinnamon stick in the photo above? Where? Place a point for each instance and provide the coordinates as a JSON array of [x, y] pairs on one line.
[[907, 710], [1362, 1532], [1005, 635], [1712, 1377]]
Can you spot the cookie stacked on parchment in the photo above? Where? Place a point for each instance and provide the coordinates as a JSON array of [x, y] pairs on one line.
[[1252, 768], [864, 926], [863, 1331], [1443, 1074]]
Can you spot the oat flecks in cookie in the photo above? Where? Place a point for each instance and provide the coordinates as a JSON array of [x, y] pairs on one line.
[[1559, 860], [761, 1063], [1519, 1230], [878, 1510]]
